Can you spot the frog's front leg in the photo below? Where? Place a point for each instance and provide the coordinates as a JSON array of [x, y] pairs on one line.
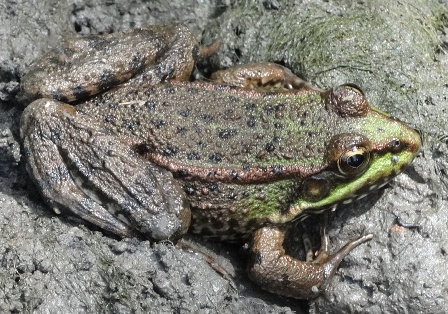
[[265, 76], [275, 271], [82, 168]]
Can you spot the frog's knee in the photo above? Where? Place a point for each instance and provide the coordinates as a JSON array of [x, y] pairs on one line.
[[41, 112], [167, 227]]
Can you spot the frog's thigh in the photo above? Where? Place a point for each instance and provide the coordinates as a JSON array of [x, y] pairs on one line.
[[110, 188], [261, 75]]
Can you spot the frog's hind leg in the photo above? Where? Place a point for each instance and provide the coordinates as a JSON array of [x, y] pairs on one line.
[[278, 272], [77, 166], [51, 175]]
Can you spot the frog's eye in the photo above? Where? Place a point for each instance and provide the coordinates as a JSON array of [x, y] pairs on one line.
[[354, 161]]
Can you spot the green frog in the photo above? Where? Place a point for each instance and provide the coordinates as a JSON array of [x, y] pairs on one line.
[[120, 137]]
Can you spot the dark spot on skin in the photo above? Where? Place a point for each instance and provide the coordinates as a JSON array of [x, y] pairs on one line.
[[159, 123], [207, 118], [27, 152], [80, 92], [142, 149], [113, 105], [259, 136], [181, 130], [215, 157], [197, 128], [131, 125], [211, 174], [278, 125], [212, 187], [110, 119], [228, 113], [269, 94], [269, 109], [232, 196], [56, 95], [269, 147], [192, 90], [249, 106], [245, 194], [149, 91], [170, 151], [107, 80], [251, 122], [183, 173], [136, 63], [226, 133], [169, 89], [234, 174], [277, 169], [246, 167], [280, 107], [246, 148], [184, 113], [219, 87], [193, 156], [189, 189], [150, 105], [55, 134], [233, 99]]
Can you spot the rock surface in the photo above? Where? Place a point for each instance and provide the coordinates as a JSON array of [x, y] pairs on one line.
[[397, 54]]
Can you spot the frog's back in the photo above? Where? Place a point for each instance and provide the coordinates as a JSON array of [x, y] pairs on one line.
[[191, 127], [239, 154]]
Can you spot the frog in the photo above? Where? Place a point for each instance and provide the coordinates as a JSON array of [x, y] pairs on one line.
[[119, 135]]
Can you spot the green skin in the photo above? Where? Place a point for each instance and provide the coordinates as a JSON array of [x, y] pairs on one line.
[[136, 160]]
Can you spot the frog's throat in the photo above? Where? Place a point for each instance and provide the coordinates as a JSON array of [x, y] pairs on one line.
[[381, 171]]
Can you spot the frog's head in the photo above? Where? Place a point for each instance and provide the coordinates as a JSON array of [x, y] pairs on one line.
[[368, 148]]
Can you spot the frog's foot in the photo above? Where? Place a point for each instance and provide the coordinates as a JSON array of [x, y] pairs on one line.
[[275, 271], [193, 248], [81, 169], [264, 76]]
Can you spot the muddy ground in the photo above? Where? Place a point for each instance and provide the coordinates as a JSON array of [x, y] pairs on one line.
[[395, 51]]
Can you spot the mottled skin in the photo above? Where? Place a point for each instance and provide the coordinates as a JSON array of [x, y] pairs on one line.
[[146, 153]]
